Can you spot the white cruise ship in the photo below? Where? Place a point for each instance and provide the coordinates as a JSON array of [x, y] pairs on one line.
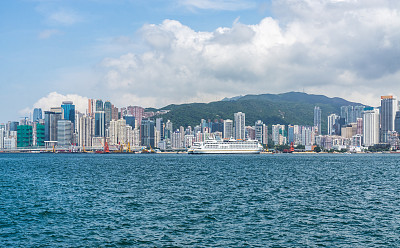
[[231, 146]]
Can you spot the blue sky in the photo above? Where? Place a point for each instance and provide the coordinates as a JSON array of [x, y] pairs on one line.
[[154, 53]]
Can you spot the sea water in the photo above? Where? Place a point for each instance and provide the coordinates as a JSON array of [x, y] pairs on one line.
[[179, 200]]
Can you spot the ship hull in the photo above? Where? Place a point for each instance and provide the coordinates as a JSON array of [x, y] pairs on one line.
[[203, 151]]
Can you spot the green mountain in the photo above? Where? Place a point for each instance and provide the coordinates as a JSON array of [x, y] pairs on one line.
[[287, 108]]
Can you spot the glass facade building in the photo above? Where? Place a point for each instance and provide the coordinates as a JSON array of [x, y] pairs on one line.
[[99, 105], [147, 129], [50, 125], [388, 113], [37, 114], [100, 125], [68, 111], [108, 112]]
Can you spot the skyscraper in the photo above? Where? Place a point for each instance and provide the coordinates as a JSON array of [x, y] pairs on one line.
[[168, 129], [86, 130], [397, 122], [228, 129], [136, 111], [64, 133], [108, 112], [99, 105], [100, 124], [37, 114], [346, 112], [160, 127], [240, 128], [91, 107], [114, 113], [388, 113], [317, 118], [13, 126], [260, 132], [278, 134], [371, 126], [68, 109], [291, 134], [358, 112], [147, 130], [50, 127], [333, 124], [130, 120]]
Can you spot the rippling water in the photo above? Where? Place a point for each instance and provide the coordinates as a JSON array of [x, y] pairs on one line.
[[154, 200]]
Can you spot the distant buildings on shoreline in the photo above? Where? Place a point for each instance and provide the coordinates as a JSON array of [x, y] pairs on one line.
[[355, 129]]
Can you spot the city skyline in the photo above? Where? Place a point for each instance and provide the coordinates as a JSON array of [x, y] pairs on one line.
[[102, 126], [155, 53]]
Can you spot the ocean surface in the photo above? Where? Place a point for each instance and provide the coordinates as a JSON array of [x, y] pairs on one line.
[[179, 200]]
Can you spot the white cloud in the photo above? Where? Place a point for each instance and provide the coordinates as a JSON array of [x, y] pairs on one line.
[[64, 17], [231, 5], [337, 48], [45, 34], [55, 99]]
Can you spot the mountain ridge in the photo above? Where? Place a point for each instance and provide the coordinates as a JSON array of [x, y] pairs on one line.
[[285, 108]]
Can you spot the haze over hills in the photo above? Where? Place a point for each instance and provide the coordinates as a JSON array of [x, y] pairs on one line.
[[286, 108]]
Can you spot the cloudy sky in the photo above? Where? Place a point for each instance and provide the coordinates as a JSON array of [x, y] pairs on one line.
[[153, 52]]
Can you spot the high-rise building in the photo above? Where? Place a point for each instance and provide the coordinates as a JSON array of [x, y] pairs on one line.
[[359, 126], [130, 120], [228, 129], [349, 130], [40, 135], [317, 118], [147, 131], [50, 127], [278, 134], [37, 114], [250, 133], [68, 108], [114, 113], [57, 110], [388, 113], [371, 126], [91, 107], [13, 125], [351, 113], [168, 130], [260, 132], [333, 125], [240, 120], [136, 111], [291, 134], [297, 134], [100, 125], [99, 105], [64, 133], [347, 113], [176, 140], [119, 132], [358, 112], [86, 131], [217, 126], [24, 136], [2, 136], [397, 122], [108, 112], [307, 137], [160, 127]]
